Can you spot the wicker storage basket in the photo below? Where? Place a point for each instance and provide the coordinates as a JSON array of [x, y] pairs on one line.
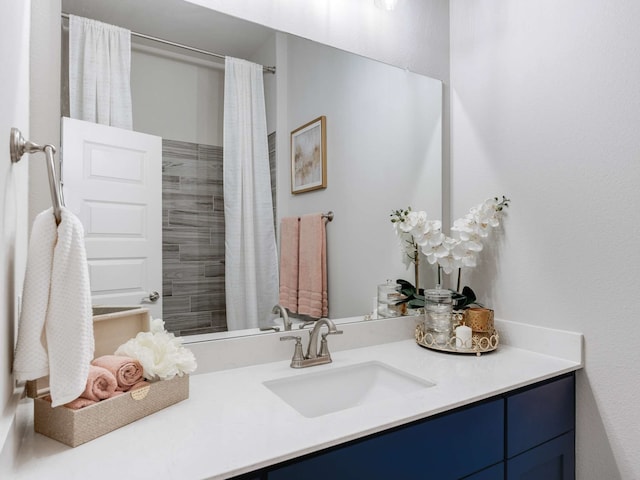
[[75, 427], [113, 326]]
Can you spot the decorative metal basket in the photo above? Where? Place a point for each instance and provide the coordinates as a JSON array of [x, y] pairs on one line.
[[481, 342]]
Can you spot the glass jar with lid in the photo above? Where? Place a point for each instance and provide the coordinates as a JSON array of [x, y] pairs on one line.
[[438, 314]]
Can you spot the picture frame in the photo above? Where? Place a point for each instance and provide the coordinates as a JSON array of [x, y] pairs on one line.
[[309, 156]]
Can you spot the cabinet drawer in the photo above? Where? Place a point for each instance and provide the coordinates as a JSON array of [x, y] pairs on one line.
[[554, 460], [540, 414], [447, 447]]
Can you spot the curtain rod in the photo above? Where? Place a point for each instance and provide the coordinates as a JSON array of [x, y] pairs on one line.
[[185, 47]]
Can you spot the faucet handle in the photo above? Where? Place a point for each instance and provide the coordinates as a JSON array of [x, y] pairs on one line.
[[298, 356], [291, 337], [324, 345]]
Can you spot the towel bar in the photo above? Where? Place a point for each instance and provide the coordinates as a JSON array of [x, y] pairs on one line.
[[18, 146]]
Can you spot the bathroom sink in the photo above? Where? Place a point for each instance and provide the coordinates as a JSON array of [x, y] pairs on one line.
[[318, 393]]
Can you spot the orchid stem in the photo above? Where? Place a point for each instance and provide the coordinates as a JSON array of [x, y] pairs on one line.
[[416, 262], [459, 275]]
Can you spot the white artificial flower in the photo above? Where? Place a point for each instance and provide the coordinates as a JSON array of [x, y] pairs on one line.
[[156, 325], [415, 232], [429, 234], [160, 353]]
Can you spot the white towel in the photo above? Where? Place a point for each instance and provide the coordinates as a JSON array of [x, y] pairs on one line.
[[55, 333]]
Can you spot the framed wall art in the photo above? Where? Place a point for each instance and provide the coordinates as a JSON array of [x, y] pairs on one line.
[[309, 156]]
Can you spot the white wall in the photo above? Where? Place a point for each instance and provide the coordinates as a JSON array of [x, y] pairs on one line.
[[384, 147], [546, 109], [176, 97], [14, 112], [414, 36]]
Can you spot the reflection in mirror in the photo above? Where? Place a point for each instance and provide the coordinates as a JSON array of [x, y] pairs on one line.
[[383, 150]]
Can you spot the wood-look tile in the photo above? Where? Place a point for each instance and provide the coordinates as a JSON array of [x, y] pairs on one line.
[[214, 269], [170, 183], [218, 207], [193, 236], [210, 153], [196, 286], [219, 318], [183, 271], [188, 167], [175, 304], [176, 322], [170, 253], [211, 186], [187, 201], [167, 286], [271, 141], [189, 218], [209, 301], [179, 149], [186, 235]]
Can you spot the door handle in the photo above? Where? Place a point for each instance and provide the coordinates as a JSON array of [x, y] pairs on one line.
[[152, 298]]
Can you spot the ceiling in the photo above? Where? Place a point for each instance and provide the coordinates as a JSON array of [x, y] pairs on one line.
[[177, 21]]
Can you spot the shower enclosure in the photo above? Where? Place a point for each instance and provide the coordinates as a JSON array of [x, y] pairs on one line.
[[193, 236]]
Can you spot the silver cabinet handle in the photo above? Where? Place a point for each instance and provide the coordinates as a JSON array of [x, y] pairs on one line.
[[153, 297]]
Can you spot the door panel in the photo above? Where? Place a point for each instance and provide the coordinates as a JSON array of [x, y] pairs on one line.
[[112, 181]]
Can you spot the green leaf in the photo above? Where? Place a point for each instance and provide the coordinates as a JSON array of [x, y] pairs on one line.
[[471, 296]]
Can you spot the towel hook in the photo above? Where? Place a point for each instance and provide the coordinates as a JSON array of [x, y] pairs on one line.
[[18, 146]]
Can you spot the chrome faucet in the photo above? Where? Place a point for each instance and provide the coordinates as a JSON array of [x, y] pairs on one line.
[[286, 321], [314, 355]]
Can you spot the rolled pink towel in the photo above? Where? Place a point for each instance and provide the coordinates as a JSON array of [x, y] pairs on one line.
[[101, 384], [127, 370], [79, 403], [140, 384]]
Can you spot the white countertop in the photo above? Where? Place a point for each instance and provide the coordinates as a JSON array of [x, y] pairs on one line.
[[233, 424]]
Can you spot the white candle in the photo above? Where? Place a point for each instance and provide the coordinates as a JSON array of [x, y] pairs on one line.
[[463, 337]]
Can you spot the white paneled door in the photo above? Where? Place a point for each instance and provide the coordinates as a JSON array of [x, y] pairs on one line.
[[112, 180]]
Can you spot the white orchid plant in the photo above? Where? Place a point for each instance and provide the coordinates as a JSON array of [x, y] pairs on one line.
[[419, 234]]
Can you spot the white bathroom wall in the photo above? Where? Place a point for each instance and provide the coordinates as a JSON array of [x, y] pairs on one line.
[[14, 112], [546, 109], [266, 55], [413, 36], [176, 97]]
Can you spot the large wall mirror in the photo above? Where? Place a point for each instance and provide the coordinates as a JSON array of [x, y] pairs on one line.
[[384, 149]]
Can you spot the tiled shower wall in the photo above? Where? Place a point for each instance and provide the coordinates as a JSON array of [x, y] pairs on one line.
[[193, 236]]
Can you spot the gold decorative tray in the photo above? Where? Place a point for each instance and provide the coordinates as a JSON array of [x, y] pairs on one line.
[[480, 342]]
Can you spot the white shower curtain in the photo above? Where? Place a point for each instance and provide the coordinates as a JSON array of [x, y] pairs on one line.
[[251, 268], [99, 72]]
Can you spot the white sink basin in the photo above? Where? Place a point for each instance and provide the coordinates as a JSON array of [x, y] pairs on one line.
[[318, 393]]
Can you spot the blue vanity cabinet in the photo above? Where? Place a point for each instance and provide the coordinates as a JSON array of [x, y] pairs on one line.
[[553, 460], [540, 431], [494, 472], [449, 446], [527, 434], [539, 413]]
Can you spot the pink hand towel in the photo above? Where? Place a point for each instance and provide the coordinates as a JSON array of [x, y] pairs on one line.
[[289, 263], [126, 370], [101, 384], [79, 403], [312, 281], [76, 404]]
